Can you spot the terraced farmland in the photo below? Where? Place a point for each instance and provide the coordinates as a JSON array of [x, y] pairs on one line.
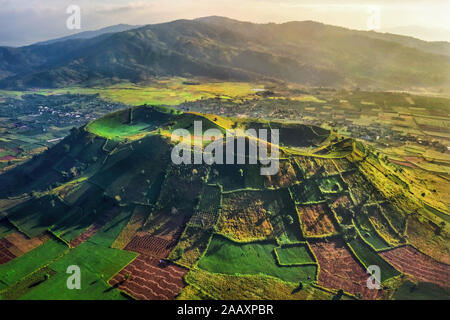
[[141, 227]]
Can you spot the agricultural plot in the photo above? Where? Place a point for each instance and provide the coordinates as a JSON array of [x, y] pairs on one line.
[[207, 212], [27, 284], [290, 132], [253, 177], [245, 216], [382, 225], [246, 287], [306, 192], [421, 291], [308, 165], [329, 166], [229, 177], [100, 223], [91, 208], [110, 227], [316, 220], [368, 232], [343, 165], [369, 256], [423, 235], [17, 244], [423, 267], [284, 219], [147, 278], [160, 237], [360, 189], [285, 176], [98, 264], [228, 257], [182, 187], [340, 270], [20, 267], [138, 217], [135, 178], [35, 216], [395, 217], [5, 254], [295, 254], [332, 184], [150, 246], [193, 243], [341, 206]]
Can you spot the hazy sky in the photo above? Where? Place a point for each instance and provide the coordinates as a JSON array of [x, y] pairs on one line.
[[28, 21]]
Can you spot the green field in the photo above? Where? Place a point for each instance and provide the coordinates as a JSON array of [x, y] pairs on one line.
[[368, 232], [20, 267], [97, 265], [227, 257], [369, 257], [294, 255], [421, 291]]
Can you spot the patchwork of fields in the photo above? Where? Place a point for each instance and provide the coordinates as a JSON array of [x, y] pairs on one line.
[[140, 227]]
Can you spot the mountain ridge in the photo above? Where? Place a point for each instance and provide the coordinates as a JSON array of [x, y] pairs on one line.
[[306, 52]]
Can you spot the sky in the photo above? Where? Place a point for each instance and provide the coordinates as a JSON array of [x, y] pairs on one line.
[[27, 21]]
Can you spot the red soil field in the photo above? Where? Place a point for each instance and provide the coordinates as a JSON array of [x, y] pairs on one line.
[[7, 158], [21, 244], [5, 254], [149, 276], [422, 267], [150, 245], [316, 220], [339, 270], [150, 280], [17, 244]]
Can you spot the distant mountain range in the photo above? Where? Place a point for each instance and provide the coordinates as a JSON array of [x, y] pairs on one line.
[[92, 34], [427, 34], [307, 52]]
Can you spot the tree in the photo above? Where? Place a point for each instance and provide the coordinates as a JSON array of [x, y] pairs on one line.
[[179, 253], [339, 295], [289, 219]]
